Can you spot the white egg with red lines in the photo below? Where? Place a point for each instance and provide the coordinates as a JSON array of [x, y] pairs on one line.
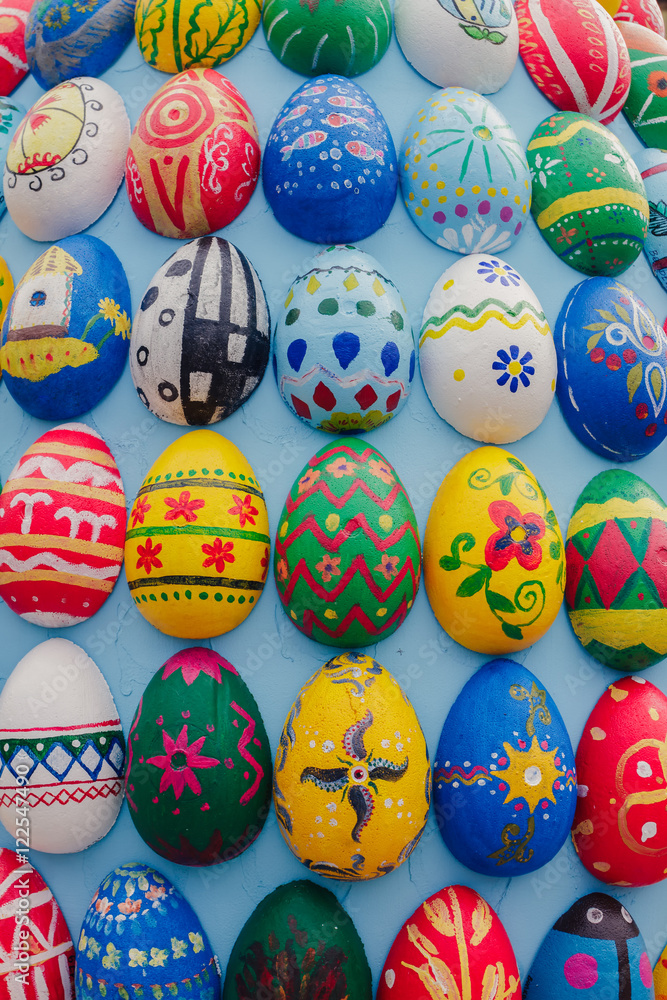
[[62, 528], [60, 740]]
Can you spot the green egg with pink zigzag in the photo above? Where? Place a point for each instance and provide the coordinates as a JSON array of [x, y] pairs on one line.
[[347, 554], [198, 781]]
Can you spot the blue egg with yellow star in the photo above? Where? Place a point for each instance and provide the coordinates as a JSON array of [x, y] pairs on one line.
[[66, 332], [504, 781]]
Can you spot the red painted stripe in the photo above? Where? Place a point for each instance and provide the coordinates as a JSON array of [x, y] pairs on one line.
[[107, 724], [657, 169]]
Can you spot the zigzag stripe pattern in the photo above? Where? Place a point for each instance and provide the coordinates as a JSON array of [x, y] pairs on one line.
[[302, 571], [77, 794], [465, 318], [356, 522], [457, 773]]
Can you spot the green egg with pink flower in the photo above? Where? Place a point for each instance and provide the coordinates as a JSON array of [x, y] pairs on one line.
[[198, 781], [347, 554]]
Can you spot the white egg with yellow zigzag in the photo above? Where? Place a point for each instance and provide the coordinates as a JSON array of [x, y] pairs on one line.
[[486, 351]]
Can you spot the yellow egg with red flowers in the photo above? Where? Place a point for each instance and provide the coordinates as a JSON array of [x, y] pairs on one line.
[[494, 565], [352, 779], [197, 548]]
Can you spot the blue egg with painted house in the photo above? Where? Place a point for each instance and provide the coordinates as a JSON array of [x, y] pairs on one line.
[[464, 176], [11, 114], [141, 938], [344, 351], [612, 370], [330, 172], [504, 781], [66, 332], [594, 950], [652, 164], [76, 38]]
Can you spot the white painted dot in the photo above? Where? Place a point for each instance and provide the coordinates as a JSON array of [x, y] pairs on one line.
[[385, 744], [545, 815], [399, 747], [320, 835], [466, 763], [649, 831], [103, 740], [455, 784], [582, 791], [318, 819], [328, 746], [494, 755], [397, 735], [75, 743], [644, 769], [312, 744], [399, 815], [35, 599], [532, 775], [400, 802], [388, 803], [390, 978], [40, 746], [333, 822], [331, 806]]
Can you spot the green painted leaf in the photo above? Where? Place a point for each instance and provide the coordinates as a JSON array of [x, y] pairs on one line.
[[606, 315], [472, 30], [592, 342], [472, 584], [551, 518], [449, 562], [596, 326], [622, 312], [499, 602], [115, 887], [554, 550], [559, 574], [515, 463], [496, 37], [656, 383], [634, 379], [512, 631], [149, 20], [505, 483]]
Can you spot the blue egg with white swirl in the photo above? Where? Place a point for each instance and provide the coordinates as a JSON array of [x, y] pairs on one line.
[[612, 370], [330, 172], [504, 781]]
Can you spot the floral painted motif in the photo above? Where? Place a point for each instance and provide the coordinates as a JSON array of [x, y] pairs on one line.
[[180, 762], [357, 777], [183, 507], [218, 555], [513, 367], [517, 537], [657, 83], [388, 566], [264, 563], [141, 508], [493, 270], [282, 570], [243, 509], [342, 466], [382, 471], [308, 479], [328, 567], [339, 422], [148, 556]]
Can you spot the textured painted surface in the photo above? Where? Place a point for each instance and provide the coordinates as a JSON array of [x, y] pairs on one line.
[[178, 34]]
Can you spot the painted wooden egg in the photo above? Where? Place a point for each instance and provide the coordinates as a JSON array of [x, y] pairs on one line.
[[504, 777], [453, 945], [596, 946], [194, 155], [348, 556], [11, 113], [612, 370], [6, 292], [65, 161], [178, 34], [201, 337], [660, 977], [199, 766], [471, 196], [486, 352], [644, 108], [306, 922], [619, 827], [61, 740], [81, 38], [575, 54], [616, 589], [494, 567], [67, 330], [197, 550], [462, 43], [352, 782], [321, 36], [35, 942], [330, 172], [644, 12], [13, 62], [589, 200], [344, 351], [140, 937], [652, 164], [62, 528]]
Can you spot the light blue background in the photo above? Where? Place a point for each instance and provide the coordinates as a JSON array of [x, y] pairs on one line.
[[271, 655]]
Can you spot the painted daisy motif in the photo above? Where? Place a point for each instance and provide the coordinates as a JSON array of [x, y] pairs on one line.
[[514, 369], [496, 270]]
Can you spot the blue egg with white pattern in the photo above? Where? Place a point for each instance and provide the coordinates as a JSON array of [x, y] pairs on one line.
[[344, 351], [140, 937], [652, 165], [594, 950], [11, 114], [330, 172], [504, 780], [612, 370], [77, 38], [464, 175]]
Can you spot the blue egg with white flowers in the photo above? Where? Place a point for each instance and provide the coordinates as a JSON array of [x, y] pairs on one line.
[[612, 370], [595, 950], [330, 172], [504, 781], [141, 938]]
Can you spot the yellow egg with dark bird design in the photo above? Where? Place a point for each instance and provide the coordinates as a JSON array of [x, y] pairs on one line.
[[494, 565], [197, 549]]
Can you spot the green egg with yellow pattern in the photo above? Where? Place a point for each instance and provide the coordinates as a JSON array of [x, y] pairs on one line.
[[348, 555], [198, 781], [589, 201], [616, 550]]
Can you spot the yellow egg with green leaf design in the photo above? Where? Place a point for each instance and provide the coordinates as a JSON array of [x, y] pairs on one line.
[[494, 565]]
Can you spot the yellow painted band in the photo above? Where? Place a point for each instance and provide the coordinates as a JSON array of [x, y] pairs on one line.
[[622, 629], [64, 579], [562, 137], [580, 200], [592, 514], [466, 324]]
